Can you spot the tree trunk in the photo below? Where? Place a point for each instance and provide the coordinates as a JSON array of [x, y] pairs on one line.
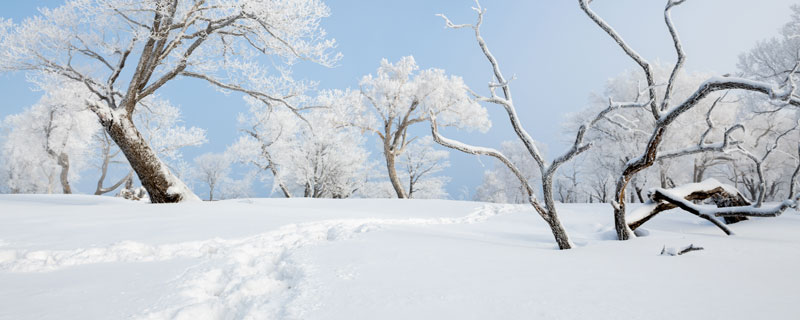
[[63, 162], [639, 193], [396, 184], [559, 233], [161, 185]]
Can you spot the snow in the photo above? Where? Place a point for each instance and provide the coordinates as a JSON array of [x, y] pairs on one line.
[[679, 192], [88, 257]]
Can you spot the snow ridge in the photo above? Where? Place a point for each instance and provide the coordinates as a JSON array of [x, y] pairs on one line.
[[249, 278]]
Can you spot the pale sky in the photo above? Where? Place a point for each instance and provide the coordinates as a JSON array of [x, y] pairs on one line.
[[558, 55]]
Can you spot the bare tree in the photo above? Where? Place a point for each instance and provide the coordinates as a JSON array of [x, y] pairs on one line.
[[665, 113], [547, 210], [760, 191]]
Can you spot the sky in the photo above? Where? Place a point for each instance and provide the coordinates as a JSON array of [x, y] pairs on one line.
[[556, 54]]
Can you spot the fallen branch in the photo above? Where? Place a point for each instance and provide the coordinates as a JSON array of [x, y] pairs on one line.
[[664, 199], [672, 252], [721, 195]]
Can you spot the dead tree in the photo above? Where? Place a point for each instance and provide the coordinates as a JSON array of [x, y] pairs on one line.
[[547, 209], [665, 113]]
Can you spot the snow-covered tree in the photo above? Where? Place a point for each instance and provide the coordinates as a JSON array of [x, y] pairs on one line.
[[399, 95], [666, 110], [547, 169], [627, 133], [307, 152], [773, 60], [100, 43], [420, 162], [161, 125], [49, 139], [500, 185], [767, 156], [212, 169]]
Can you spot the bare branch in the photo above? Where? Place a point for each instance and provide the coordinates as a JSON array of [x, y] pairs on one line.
[[678, 48], [460, 146], [584, 4]]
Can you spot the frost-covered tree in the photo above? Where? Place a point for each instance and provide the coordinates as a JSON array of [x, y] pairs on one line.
[[399, 95], [107, 152], [161, 126], [48, 139], [666, 110], [420, 162], [773, 60], [307, 152], [125, 51], [547, 169], [765, 159], [500, 185], [211, 169], [627, 133]]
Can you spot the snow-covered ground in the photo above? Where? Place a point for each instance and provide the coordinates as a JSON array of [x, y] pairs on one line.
[[86, 257]]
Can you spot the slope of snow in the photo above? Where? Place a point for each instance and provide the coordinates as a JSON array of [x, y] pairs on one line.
[[86, 257]]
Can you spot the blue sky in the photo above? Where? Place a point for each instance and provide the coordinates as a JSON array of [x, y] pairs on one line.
[[558, 55]]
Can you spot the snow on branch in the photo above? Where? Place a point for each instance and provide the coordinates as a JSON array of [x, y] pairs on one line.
[[665, 115], [759, 162], [729, 204], [678, 49], [501, 82], [702, 146], [476, 150], [674, 252]]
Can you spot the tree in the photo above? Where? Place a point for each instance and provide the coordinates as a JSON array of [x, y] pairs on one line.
[[772, 60], [161, 126], [48, 139], [307, 152], [500, 185], [212, 169], [627, 133], [547, 170], [665, 113], [98, 42], [420, 162], [767, 140], [399, 96]]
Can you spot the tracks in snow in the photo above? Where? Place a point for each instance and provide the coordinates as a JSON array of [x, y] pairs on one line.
[[247, 278]]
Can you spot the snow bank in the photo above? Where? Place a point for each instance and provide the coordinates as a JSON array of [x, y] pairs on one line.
[[67, 257]]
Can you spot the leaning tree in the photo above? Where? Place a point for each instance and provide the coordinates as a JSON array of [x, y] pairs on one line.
[[124, 51]]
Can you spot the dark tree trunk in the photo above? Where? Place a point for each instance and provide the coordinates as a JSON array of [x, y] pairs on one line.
[[154, 174]]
